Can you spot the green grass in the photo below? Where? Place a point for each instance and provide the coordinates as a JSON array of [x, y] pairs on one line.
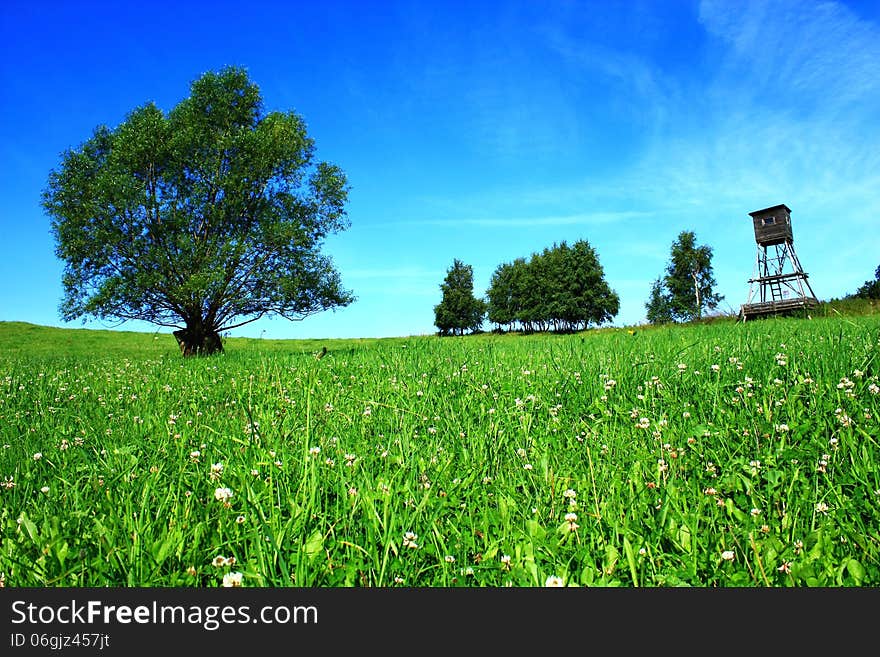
[[715, 454]]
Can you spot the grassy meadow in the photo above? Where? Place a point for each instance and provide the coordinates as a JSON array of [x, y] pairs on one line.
[[715, 454]]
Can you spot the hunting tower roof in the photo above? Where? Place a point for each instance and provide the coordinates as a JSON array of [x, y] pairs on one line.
[[771, 208]]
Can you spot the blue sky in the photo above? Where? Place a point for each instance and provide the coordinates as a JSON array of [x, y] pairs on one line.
[[484, 131]]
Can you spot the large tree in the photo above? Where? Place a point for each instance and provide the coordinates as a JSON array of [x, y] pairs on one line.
[[459, 310], [688, 285], [202, 219]]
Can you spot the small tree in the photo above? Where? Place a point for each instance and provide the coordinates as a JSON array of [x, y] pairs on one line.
[[459, 310], [658, 308], [202, 219], [688, 282], [870, 289]]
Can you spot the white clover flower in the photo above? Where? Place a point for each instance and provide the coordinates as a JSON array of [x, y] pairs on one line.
[[727, 555], [821, 507], [554, 581], [232, 579], [38, 456], [409, 540], [222, 494]]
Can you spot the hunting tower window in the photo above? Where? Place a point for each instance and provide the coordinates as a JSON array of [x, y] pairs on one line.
[[769, 221]]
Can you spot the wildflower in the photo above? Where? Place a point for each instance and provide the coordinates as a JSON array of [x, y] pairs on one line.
[[38, 456], [44, 489], [219, 561], [7, 483], [782, 428], [398, 579], [232, 579], [409, 540], [194, 455], [222, 494], [216, 471], [727, 555], [821, 507], [755, 512], [569, 494], [785, 567], [191, 571], [350, 459], [505, 561], [527, 466], [314, 451], [554, 581], [240, 520], [449, 558]]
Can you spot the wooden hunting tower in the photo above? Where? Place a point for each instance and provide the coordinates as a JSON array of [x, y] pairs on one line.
[[778, 280]]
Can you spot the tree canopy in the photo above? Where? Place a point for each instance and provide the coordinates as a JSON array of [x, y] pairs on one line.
[[562, 288], [459, 310], [202, 219], [687, 288], [870, 289]]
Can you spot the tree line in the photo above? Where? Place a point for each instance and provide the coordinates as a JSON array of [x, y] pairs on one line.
[[563, 289]]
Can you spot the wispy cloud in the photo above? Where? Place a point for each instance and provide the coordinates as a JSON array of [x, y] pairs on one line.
[[581, 219]]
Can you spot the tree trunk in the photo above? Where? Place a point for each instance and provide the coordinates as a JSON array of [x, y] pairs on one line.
[[695, 276], [198, 340]]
